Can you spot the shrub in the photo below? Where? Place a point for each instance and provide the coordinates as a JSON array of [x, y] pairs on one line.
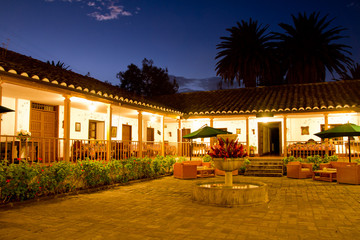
[[23, 181]]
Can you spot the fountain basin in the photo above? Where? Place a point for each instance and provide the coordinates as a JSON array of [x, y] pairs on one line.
[[240, 194]]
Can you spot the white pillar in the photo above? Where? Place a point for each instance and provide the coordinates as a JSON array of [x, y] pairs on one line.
[[140, 134], [108, 131], [67, 106], [285, 136], [163, 136], [247, 136]]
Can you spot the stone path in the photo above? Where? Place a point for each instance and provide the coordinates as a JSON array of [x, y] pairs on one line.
[[162, 209]]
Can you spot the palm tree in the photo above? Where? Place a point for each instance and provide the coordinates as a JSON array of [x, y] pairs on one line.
[[308, 48], [245, 55], [354, 72], [59, 65]]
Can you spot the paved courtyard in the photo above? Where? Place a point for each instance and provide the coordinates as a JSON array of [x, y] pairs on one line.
[[162, 209]]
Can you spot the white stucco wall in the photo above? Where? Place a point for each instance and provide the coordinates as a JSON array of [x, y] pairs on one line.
[[8, 119]]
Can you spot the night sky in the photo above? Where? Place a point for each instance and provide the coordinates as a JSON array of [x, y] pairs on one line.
[[104, 36]]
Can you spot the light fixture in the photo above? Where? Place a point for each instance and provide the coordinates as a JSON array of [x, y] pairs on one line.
[[264, 115], [92, 107]]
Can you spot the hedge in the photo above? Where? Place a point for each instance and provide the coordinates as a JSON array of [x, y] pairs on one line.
[[23, 181]]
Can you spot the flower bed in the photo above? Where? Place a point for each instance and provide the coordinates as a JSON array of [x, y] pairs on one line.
[[24, 181]]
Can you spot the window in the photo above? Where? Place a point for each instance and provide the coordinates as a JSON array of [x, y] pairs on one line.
[[305, 130]]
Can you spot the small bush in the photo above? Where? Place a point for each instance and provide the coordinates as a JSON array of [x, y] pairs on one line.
[[23, 181]]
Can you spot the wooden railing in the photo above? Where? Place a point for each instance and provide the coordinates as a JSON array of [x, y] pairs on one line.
[[48, 150], [32, 149], [339, 147]]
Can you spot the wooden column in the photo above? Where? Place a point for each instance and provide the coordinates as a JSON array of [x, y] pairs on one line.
[[1, 103], [179, 138], [326, 118], [247, 136], [67, 104], [163, 136], [285, 136], [108, 131], [211, 125], [140, 135]]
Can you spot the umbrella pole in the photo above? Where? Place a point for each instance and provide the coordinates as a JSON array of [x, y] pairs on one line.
[[349, 149], [191, 143]]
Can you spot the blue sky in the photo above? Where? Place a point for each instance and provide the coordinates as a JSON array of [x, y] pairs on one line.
[[104, 36]]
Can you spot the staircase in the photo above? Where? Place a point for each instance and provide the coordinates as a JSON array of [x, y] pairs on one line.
[[265, 167]]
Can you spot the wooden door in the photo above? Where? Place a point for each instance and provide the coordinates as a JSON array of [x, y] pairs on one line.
[[43, 128], [96, 130], [150, 137], [186, 142], [126, 132]]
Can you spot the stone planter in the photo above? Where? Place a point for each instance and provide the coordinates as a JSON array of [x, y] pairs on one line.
[[228, 165]]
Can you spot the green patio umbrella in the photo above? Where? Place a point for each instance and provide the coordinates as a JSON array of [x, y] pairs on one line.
[[5, 109], [204, 132], [348, 129]]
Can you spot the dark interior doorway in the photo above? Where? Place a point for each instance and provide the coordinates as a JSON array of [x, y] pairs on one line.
[[269, 139]]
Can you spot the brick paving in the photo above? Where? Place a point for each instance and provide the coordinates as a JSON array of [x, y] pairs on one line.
[[162, 209]]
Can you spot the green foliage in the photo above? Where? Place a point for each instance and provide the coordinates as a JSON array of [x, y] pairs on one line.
[[181, 159], [245, 165], [206, 158], [23, 181], [286, 160]]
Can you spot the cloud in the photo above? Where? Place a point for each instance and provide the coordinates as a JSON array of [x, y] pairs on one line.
[[115, 11], [102, 10]]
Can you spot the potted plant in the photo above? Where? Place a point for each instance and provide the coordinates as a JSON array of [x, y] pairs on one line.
[[228, 155], [252, 151]]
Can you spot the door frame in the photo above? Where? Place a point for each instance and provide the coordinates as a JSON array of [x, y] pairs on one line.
[[261, 143]]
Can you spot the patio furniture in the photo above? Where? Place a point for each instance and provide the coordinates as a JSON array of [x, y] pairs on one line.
[[299, 170], [325, 175], [349, 174], [205, 172], [335, 165], [310, 149], [185, 171], [188, 169]]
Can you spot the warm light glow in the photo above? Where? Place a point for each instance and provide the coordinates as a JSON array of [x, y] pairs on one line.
[[346, 118], [152, 119], [92, 107]]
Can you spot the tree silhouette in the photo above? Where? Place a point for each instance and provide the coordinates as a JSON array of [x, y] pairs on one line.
[[308, 48], [148, 81], [59, 65], [353, 73], [246, 54]]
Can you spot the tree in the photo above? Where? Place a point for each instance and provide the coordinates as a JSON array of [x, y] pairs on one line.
[[246, 54], [59, 65], [353, 72], [308, 48], [149, 81]]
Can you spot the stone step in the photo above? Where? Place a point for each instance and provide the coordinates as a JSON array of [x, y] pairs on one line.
[[265, 166], [262, 171], [264, 174]]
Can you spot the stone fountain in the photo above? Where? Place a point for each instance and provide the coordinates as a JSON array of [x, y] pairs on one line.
[[229, 193]]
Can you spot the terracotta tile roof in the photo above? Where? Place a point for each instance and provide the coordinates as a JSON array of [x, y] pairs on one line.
[[326, 96], [16, 63]]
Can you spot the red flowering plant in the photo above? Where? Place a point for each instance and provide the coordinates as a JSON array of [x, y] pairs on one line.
[[227, 149]]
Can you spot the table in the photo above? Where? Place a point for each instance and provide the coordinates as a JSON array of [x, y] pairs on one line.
[[325, 175], [205, 172]]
